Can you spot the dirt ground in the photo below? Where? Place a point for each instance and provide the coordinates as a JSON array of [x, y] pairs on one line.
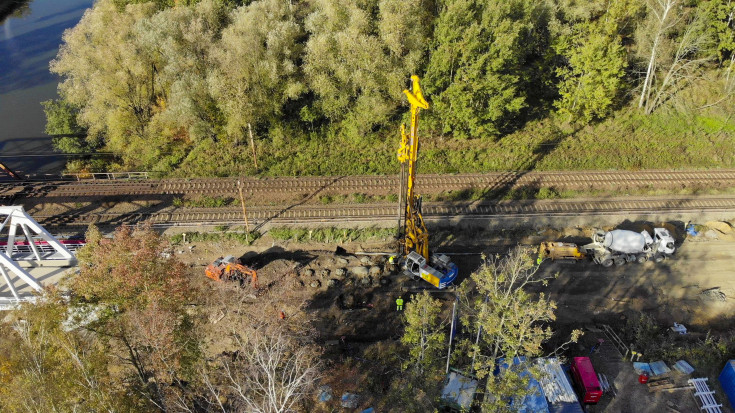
[[350, 299]]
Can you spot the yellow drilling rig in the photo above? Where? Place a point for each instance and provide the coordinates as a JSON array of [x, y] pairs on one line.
[[415, 259]]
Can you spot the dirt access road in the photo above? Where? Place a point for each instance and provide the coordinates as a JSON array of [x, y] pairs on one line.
[[695, 287]]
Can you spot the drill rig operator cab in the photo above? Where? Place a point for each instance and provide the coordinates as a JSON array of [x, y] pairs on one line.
[[441, 274]]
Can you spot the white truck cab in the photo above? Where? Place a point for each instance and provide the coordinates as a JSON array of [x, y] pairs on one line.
[[665, 240]]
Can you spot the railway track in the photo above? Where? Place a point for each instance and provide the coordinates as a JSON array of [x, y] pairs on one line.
[[306, 214], [254, 187]]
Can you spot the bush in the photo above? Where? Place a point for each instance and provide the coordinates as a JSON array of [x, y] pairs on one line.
[[656, 343], [547, 193], [330, 234], [206, 201], [241, 237]]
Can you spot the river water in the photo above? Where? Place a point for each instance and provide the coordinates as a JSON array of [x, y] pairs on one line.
[[27, 45]]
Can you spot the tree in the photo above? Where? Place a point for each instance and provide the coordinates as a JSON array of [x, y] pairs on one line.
[[720, 15], [139, 292], [592, 81], [357, 65], [676, 44], [61, 119], [138, 77], [661, 22], [406, 31], [179, 41], [164, 4], [487, 65], [424, 333], [509, 322], [107, 77], [256, 66], [66, 369], [272, 373]]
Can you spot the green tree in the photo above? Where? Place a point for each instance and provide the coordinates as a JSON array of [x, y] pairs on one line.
[[179, 41], [138, 77], [164, 4], [61, 119], [423, 335], [256, 66], [357, 65], [67, 370], [487, 65], [593, 80], [107, 76], [721, 17], [509, 322]]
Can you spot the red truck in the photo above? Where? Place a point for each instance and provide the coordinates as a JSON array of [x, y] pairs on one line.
[[585, 380]]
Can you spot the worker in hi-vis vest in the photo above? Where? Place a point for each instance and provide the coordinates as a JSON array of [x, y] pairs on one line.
[[399, 304]]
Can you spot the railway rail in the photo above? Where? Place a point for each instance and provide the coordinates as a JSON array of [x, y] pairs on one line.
[[307, 214], [577, 180]]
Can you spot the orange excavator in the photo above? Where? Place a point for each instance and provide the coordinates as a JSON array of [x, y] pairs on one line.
[[229, 268]]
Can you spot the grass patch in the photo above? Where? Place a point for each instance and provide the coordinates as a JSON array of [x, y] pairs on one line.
[[360, 198], [195, 236], [331, 234], [628, 141], [569, 194], [474, 194], [206, 201], [547, 193], [356, 198], [670, 138]]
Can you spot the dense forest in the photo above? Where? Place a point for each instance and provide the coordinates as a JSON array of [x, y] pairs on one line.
[[225, 87]]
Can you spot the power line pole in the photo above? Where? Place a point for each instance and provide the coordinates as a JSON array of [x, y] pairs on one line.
[[451, 334]]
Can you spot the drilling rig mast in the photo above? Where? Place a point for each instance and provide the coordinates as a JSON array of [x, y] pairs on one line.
[[414, 238]]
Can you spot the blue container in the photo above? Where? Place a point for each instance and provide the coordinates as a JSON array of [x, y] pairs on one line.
[[727, 380]]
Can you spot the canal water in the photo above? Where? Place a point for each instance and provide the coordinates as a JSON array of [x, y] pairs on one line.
[[27, 44]]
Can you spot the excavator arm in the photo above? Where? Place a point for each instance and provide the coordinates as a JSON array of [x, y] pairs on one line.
[[243, 271]]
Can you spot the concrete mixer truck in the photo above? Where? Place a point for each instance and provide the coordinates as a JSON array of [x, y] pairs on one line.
[[614, 247]]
